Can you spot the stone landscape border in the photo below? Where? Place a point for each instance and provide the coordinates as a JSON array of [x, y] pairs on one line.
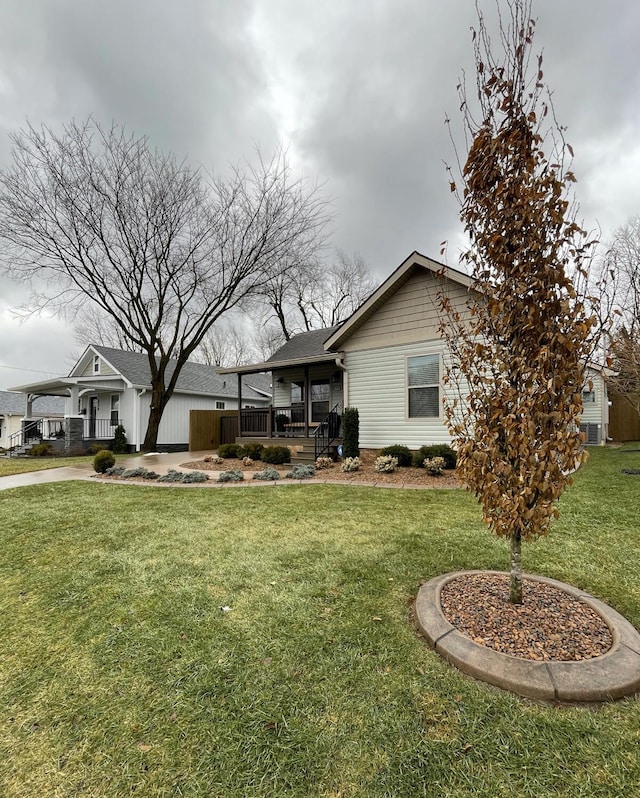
[[610, 676]]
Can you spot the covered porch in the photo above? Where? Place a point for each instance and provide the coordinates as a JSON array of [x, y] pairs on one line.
[[307, 406]]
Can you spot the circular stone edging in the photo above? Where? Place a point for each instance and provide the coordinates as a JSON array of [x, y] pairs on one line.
[[611, 675]]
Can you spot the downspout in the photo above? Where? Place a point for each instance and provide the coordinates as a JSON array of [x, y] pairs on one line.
[[136, 417], [345, 381]]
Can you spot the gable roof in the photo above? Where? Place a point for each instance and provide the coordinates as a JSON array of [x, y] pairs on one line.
[[415, 262], [304, 345]]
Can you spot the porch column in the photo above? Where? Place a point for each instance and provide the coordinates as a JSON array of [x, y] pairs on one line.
[[239, 404], [307, 401], [73, 423]]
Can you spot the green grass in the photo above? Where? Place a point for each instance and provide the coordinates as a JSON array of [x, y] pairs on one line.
[[119, 673], [22, 465]]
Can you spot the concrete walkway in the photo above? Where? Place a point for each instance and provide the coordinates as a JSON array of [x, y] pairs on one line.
[[160, 463]]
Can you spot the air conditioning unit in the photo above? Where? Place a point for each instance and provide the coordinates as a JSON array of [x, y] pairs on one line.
[[591, 433]]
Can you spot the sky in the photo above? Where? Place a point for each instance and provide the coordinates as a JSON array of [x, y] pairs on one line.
[[358, 90]]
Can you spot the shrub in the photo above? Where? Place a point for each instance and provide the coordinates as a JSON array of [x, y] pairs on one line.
[[267, 475], [301, 472], [351, 464], [41, 450], [229, 450], [234, 475], [194, 476], [94, 448], [385, 464], [132, 473], [116, 471], [403, 454], [436, 450], [171, 476], [324, 462], [350, 432], [247, 461], [252, 450], [103, 460], [434, 466], [119, 445], [276, 455]]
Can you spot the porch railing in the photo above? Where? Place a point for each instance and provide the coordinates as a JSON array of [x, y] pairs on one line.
[[327, 432], [49, 429], [99, 428], [274, 422]]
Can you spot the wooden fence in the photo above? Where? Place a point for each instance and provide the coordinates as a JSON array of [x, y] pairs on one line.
[[210, 428], [624, 422]]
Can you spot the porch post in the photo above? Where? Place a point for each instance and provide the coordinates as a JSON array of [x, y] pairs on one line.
[[307, 400], [239, 404]]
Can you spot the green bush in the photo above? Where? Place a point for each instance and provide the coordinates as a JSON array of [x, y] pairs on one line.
[[41, 450], [276, 455], [403, 454], [350, 432], [94, 448], [301, 471], [267, 475], [252, 450], [229, 450], [436, 450], [103, 460], [234, 475], [119, 445]]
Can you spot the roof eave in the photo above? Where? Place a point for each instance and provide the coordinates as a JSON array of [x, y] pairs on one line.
[[272, 365]]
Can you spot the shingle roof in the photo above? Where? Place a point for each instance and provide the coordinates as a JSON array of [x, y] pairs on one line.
[[42, 405], [307, 344], [193, 378]]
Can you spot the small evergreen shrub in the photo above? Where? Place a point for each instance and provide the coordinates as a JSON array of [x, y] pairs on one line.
[[351, 464], [41, 450], [234, 475], [132, 473], [403, 454], [324, 462], [94, 448], [115, 471], [301, 471], [436, 450], [385, 464], [350, 432], [194, 476], [103, 460], [119, 445], [229, 450], [267, 475], [171, 476], [252, 450], [434, 466], [276, 455]]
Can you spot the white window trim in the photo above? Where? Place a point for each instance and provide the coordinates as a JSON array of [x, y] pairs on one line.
[[422, 419], [96, 364]]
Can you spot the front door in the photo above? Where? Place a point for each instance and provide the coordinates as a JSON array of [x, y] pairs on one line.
[[93, 414]]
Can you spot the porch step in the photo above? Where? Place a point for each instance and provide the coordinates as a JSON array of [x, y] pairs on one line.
[[304, 456]]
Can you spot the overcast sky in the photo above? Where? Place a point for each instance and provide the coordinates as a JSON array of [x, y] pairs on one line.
[[358, 90]]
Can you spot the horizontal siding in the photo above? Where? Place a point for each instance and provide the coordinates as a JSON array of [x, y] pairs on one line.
[[377, 387], [596, 412], [409, 316]]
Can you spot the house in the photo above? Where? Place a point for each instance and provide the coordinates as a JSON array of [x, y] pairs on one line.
[[110, 386], [386, 360], [12, 412]]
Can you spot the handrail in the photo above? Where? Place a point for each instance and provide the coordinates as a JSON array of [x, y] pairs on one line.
[[20, 438], [326, 432]]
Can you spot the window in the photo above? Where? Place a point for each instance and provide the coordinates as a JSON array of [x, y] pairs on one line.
[[115, 409], [297, 392], [319, 401], [588, 397], [96, 364], [219, 405], [423, 383]]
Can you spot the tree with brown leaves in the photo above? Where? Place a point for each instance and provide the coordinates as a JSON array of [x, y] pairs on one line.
[[519, 348]]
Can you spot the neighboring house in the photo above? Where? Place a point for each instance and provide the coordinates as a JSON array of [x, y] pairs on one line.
[[12, 411], [386, 360], [109, 386]]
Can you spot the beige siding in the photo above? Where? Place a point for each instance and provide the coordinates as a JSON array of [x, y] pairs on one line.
[[88, 371], [597, 412], [378, 388], [409, 316]]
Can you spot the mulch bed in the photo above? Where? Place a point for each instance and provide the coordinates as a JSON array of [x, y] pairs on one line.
[[549, 625]]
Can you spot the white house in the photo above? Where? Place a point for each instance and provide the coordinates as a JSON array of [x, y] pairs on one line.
[[12, 412], [387, 361], [110, 386]]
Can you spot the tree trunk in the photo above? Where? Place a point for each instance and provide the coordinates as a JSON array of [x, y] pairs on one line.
[[159, 401], [515, 587]]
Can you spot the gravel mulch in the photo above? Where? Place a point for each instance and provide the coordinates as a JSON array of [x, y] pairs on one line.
[[414, 477], [549, 625]]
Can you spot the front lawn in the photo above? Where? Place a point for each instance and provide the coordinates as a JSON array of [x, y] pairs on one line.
[[258, 642], [22, 465]]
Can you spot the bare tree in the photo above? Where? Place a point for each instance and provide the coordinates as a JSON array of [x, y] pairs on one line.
[[314, 293], [154, 245], [519, 348], [226, 344], [93, 326]]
